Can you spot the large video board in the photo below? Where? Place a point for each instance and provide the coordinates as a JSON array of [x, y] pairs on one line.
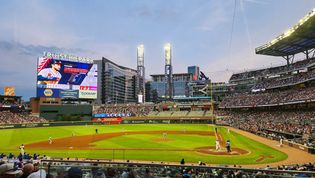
[[62, 78]]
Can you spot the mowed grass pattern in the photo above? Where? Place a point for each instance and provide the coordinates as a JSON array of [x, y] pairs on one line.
[[11, 139]]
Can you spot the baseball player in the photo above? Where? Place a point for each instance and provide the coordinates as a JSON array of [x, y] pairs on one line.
[[217, 145], [50, 140], [50, 75], [22, 149], [281, 142]]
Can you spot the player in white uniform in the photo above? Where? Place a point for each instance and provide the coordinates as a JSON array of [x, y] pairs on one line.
[[50, 140], [50, 75], [281, 142], [22, 149], [217, 145]]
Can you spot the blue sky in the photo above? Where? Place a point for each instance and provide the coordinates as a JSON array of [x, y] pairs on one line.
[[199, 31]]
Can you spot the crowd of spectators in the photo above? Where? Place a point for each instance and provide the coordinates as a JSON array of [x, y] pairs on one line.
[[128, 109], [268, 98], [7, 117], [272, 123], [273, 70], [285, 80], [293, 122], [21, 166], [31, 167], [77, 170]]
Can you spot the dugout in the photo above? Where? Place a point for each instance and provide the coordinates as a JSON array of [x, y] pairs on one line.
[[66, 112]]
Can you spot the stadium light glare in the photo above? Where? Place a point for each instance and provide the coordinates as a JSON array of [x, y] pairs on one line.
[[140, 55], [167, 50], [140, 49]]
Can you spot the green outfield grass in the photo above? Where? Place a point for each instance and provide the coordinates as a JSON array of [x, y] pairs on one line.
[[11, 139]]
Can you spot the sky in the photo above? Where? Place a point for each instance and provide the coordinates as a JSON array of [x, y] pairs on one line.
[[202, 32]]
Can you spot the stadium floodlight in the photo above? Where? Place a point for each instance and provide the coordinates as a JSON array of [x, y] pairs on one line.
[[140, 55], [167, 50], [140, 51]]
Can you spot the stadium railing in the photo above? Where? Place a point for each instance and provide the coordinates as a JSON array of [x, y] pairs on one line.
[[116, 169]]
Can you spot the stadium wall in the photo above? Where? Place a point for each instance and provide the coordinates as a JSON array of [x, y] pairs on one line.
[[66, 112]]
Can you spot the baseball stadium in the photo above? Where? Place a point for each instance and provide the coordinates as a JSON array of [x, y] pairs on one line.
[[97, 118]]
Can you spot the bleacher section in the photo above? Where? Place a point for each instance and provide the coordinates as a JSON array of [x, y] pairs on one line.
[[165, 114], [196, 113], [273, 71], [153, 113], [179, 113], [209, 113]]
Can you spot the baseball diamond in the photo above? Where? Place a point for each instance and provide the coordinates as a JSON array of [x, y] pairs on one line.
[[144, 142]]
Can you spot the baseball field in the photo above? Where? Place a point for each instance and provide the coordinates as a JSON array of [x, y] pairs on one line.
[[155, 142]]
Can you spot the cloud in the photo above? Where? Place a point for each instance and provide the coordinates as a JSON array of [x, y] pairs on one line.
[[218, 13], [41, 25]]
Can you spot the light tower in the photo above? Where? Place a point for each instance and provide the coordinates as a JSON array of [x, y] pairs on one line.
[[140, 73], [168, 78]]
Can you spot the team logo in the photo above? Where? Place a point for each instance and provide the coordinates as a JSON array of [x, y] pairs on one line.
[[48, 92]]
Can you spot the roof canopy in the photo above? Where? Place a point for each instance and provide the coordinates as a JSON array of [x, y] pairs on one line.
[[299, 38]]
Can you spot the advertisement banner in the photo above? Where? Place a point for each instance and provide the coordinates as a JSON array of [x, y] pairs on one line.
[[88, 94], [108, 120], [9, 91], [106, 115], [69, 94], [63, 74], [47, 92]]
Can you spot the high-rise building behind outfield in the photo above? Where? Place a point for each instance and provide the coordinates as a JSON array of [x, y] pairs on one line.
[[180, 82], [194, 70], [118, 84]]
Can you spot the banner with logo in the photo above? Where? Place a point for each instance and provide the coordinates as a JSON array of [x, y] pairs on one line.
[[116, 120], [69, 94], [48, 92], [9, 91], [88, 94]]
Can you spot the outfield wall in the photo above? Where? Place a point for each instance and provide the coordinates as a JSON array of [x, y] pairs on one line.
[[66, 112], [50, 124]]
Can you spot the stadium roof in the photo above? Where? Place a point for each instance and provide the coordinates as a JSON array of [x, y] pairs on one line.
[[299, 38]]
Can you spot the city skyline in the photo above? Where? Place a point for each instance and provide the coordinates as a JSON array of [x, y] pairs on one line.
[[199, 31]]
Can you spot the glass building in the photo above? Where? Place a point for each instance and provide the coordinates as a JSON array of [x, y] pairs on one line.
[[180, 82], [194, 70], [118, 83]]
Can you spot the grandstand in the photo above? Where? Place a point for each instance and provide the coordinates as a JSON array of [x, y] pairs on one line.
[[278, 102], [118, 140]]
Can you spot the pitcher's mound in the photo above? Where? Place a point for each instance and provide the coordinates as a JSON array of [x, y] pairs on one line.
[[211, 150]]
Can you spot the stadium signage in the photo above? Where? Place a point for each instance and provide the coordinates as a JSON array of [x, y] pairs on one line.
[[68, 57], [87, 94], [6, 126], [68, 94], [29, 125], [48, 92], [106, 115]]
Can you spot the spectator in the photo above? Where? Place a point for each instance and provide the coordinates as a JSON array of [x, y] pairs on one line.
[[27, 170], [75, 172]]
